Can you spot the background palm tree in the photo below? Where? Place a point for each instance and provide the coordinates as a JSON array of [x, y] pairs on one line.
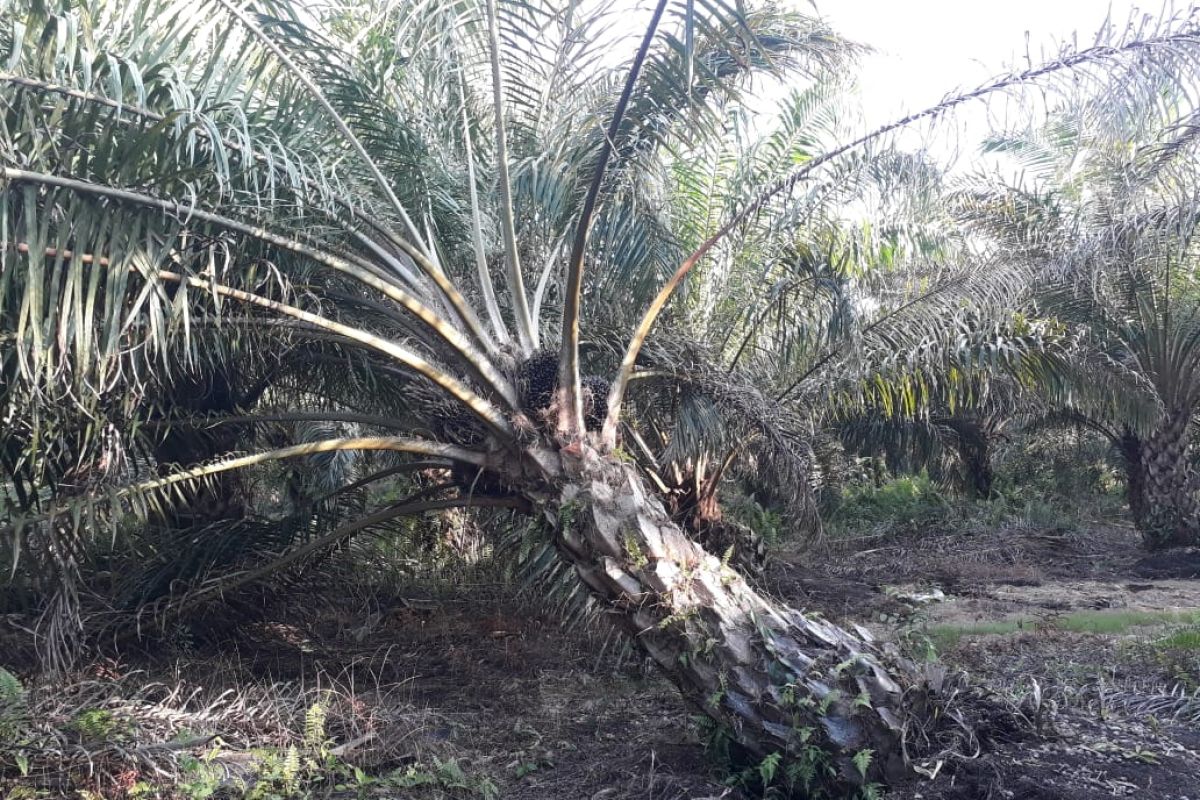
[[811, 317], [1105, 215]]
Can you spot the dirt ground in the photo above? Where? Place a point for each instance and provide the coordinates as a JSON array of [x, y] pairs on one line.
[[526, 708], [513, 697], [539, 711], [1118, 723]]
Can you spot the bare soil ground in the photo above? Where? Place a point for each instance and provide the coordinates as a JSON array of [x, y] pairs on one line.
[[526, 708], [1077, 615], [514, 698], [530, 710]]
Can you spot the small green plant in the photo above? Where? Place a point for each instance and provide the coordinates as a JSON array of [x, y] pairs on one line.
[[13, 709], [806, 774], [297, 770], [445, 774], [278, 775], [716, 741], [200, 779], [566, 515], [914, 640], [727, 556], [862, 761], [678, 618], [624, 455], [765, 522], [634, 552], [95, 724], [12, 693], [314, 728], [768, 767], [531, 766]]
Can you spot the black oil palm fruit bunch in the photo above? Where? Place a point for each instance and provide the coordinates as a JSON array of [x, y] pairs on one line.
[[595, 401], [537, 381], [537, 378]]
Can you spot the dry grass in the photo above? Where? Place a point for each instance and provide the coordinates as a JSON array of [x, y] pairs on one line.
[[110, 732], [420, 696]]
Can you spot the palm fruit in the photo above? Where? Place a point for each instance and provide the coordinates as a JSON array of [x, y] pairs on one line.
[[595, 401], [537, 378]]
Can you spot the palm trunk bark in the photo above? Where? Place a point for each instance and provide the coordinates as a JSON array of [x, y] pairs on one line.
[[777, 681], [1169, 516], [223, 497], [1129, 445], [975, 451], [979, 472]]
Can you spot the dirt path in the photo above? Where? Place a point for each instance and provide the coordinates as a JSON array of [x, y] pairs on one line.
[[1057, 599]]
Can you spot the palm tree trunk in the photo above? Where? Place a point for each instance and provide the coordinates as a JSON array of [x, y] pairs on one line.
[[980, 476], [975, 451], [775, 680], [1169, 515], [222, 498], [1129, 445]]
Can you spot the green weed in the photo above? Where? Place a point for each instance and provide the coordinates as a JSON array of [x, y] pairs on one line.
[[907, 500], [96, 725], [1108, 623], [1183, 639], [444, 774], [1115, 622]]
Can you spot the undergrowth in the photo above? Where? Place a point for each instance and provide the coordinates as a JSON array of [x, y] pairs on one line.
[[916, 503], [125, 736]]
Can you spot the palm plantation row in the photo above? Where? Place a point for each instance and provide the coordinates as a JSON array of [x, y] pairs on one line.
[[463, 245]]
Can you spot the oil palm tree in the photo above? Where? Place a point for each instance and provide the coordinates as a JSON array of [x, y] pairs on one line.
[[954, 442], [179, 174], [1105, 216]]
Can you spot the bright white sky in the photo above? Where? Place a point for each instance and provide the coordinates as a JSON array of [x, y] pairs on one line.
[[927, 49]]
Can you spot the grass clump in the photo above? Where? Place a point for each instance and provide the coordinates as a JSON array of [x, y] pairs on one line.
[[1175, 656], [1183, 639], [1117, 622], [916, 503]]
